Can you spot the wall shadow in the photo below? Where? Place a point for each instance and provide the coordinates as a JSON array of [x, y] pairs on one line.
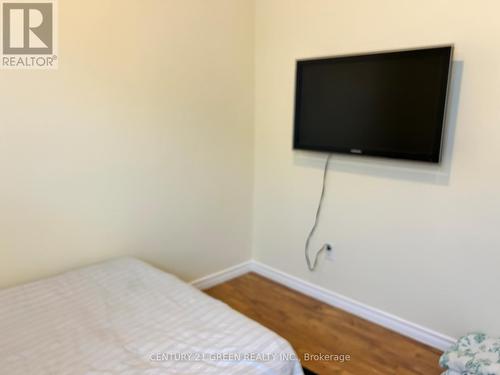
[[438, 174]]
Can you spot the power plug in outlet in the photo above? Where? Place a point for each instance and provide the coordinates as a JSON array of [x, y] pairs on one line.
[[330, 254]]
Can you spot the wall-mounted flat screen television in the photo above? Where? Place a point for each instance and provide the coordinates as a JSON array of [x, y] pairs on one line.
[[389, 104]]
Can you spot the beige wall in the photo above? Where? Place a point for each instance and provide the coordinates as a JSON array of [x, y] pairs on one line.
[[419, 241], [141, 143]]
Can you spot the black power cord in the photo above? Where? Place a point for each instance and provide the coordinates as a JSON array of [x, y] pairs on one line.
[[312, 266]]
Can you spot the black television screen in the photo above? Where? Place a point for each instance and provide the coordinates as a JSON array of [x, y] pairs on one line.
[[389, 104]]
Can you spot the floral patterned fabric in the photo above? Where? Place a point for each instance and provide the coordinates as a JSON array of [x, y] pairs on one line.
[[474, 354]]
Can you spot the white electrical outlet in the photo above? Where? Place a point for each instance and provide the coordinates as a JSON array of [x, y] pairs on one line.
[[330, 253]]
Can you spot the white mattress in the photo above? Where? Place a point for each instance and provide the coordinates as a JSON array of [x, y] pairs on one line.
[[124, 317]]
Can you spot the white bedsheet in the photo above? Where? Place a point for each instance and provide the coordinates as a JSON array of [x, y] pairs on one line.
[[124, 317]]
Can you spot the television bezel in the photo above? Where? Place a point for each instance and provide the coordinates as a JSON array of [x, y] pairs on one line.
[[434, 157]]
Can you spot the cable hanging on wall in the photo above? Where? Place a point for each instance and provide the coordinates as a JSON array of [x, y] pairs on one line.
[[312, 266]]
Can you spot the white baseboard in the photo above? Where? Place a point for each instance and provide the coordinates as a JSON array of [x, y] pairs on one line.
[[222, 276], [382, 318]]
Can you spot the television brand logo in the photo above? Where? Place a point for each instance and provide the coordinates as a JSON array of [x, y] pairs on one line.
[[28, 35]]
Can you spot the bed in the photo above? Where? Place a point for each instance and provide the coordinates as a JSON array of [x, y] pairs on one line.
[[125, 317]]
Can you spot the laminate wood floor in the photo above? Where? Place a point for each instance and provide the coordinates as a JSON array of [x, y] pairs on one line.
[[313, 327]]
